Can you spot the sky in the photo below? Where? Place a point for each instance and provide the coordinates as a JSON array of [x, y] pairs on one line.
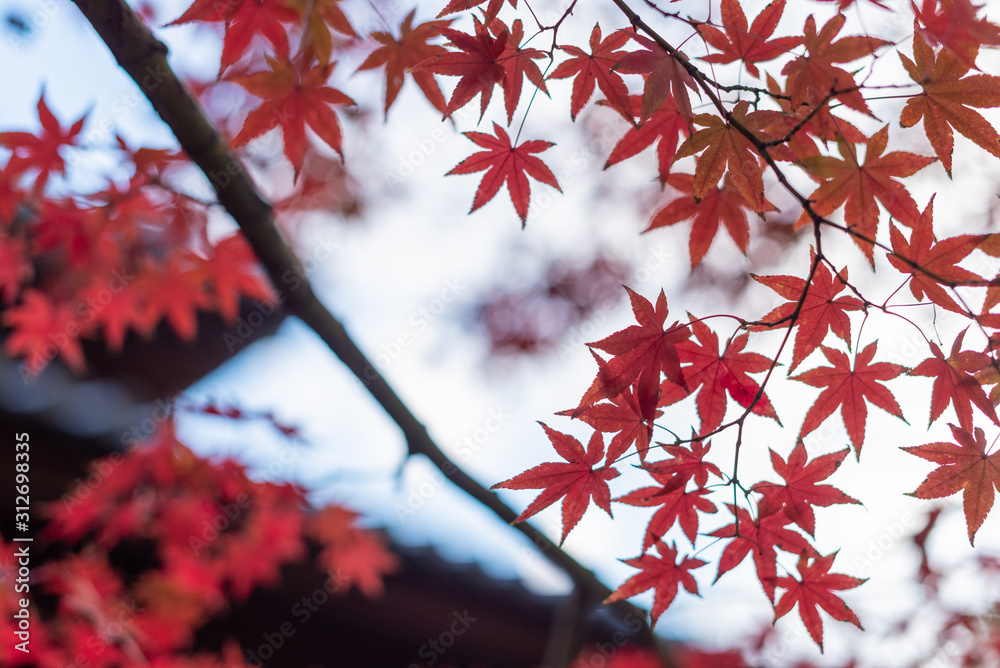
[[406, 280]]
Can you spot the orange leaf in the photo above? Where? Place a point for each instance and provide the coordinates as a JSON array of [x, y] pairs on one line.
[[858, 185], [727, 148], [947, 99]]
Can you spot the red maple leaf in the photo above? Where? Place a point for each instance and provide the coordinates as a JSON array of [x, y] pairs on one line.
[[664, 128], [936, 261], [666, 78], [813, 76], [716, 372], [955, 383], [955, 25], [662, 574], [361, 560], [726, 149], [623, 416], [963, 467], [748, 45], [321, 16], [596, 68], [506, 163], [252, 18], [517, 63], [294, 96], [945, 104], [174, 292], [41, 152], [857, 185], [41, 329], [761, 538], [800, 492], [815, 589], [399, 55], [719, 206], [640, 352], [675, 504], [685, 463], [577, 480], [233, 272], [477, 62], [492, 9], [850, 388], [822, 310]]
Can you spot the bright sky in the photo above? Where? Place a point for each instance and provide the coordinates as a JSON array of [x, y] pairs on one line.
[[411, 273]]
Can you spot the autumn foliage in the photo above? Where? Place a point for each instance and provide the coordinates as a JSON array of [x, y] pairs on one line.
[[741, 118]]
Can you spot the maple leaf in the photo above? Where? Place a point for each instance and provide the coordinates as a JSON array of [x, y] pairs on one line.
[[675, 504], [175, 292], [822, 310], [640, 352], [955, 383], [815, 590], [491, 12], [938, 259], [727, 149], [477, 63], [666, 78], [850, 388], [801, 124], [398, 55], [716, 372], [40, 330], [362, 561], [115, 311], [963, 467], [955, 25], [685, 463], [233, 271], [800, 492], [813, 76], [596, 68], [294, 96], [322, 16], [41, 151], [663, 128], [662, 574], [577, 480], [252, 18], [945, 104], [761, 538], [747, 45], [858, 185], [623, 416], [517, 63], [506, 163], [724, 206]]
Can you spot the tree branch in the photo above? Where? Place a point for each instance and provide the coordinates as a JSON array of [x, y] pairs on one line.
[[144, 58]]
